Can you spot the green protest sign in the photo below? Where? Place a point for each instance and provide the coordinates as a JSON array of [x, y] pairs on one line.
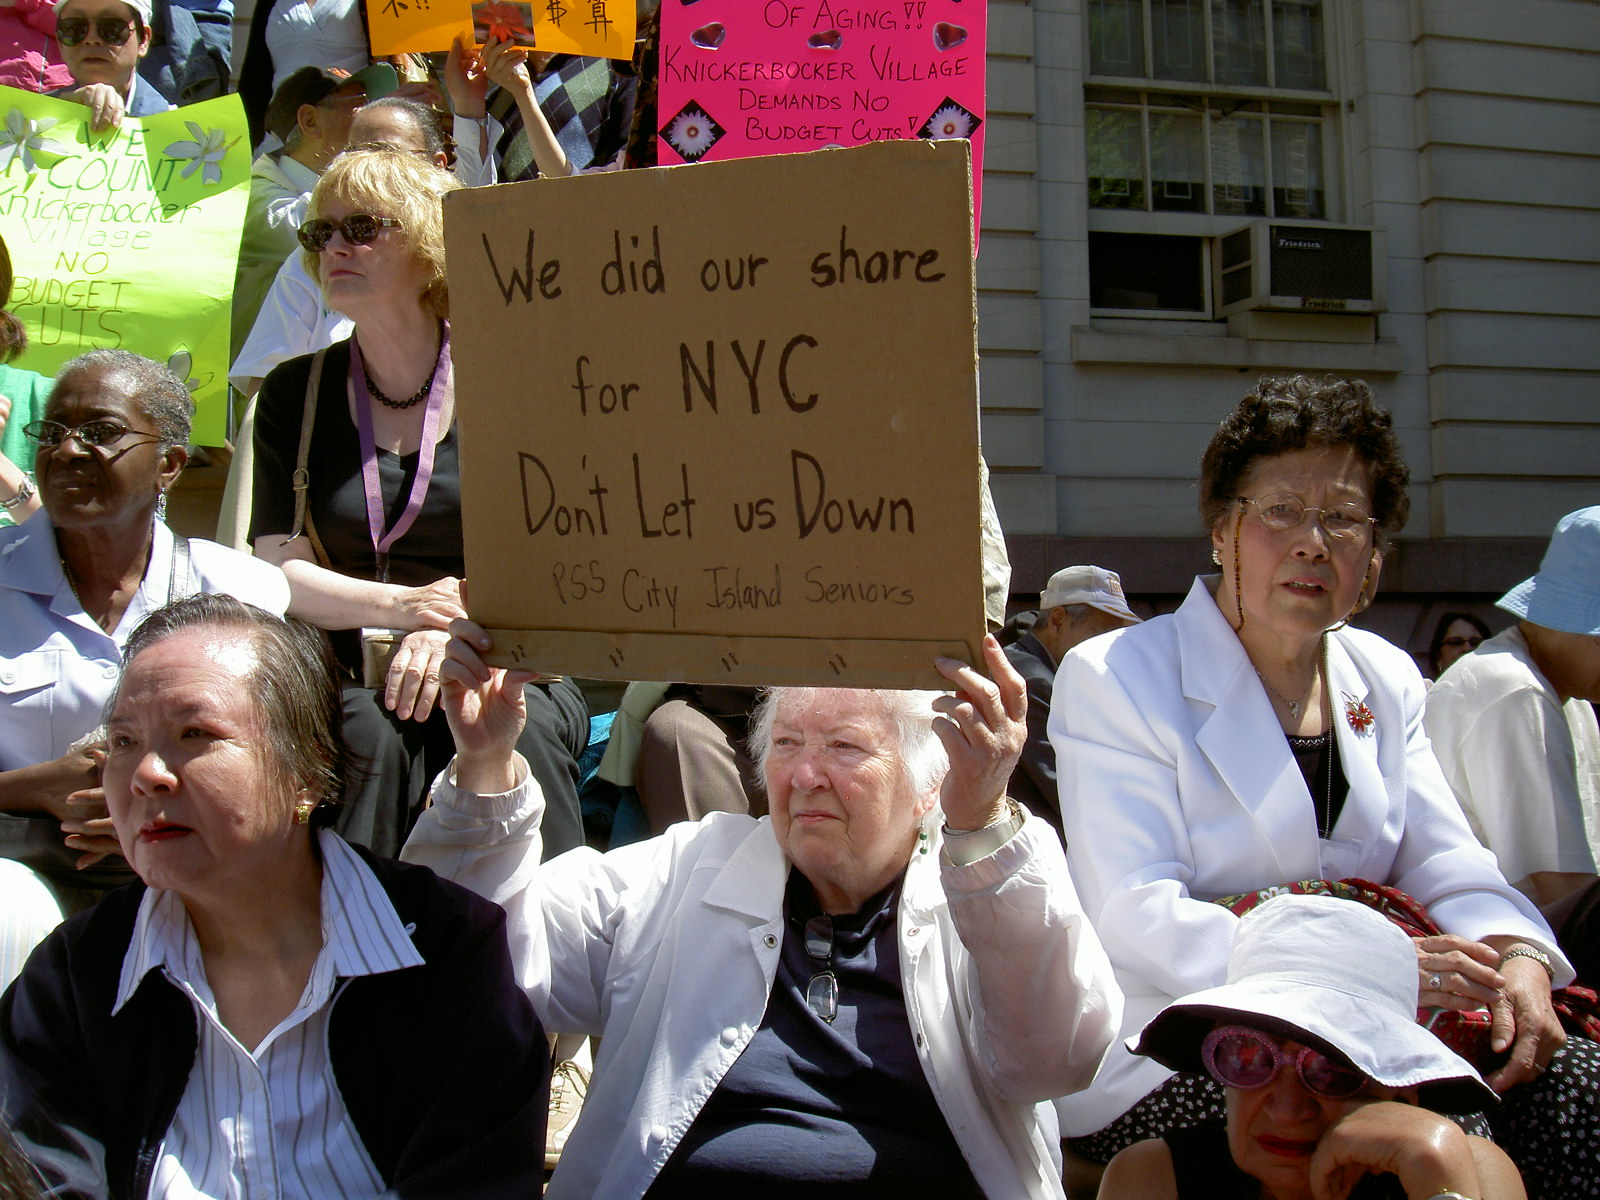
[[126, 240]]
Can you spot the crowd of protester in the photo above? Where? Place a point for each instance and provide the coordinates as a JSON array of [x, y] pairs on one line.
[[1190, 895]]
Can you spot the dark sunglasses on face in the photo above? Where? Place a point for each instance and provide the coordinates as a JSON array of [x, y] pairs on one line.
[[49, 434], [358, 229], [113, 31], [1471, 642], [1237, 1056]]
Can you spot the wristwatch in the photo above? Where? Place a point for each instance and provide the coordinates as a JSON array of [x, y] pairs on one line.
[[24, 494], [1538, 956]]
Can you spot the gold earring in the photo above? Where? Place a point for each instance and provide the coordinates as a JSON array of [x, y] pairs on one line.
[[303, 810]]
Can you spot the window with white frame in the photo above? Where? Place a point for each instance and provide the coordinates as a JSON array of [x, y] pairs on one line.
[[1211, 108]]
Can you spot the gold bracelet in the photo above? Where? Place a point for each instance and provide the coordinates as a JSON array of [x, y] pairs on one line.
[[1538, 956]]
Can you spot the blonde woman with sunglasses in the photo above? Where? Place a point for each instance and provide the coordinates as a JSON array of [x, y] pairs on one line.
[[371, 543]]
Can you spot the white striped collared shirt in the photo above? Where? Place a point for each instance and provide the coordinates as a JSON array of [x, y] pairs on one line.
[[269, 1124]]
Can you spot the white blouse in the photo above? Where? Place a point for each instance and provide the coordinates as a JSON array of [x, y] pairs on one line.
[[270, 1123]]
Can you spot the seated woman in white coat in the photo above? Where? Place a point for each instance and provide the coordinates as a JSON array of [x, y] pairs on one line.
[[1252, 739], [887, 1018]]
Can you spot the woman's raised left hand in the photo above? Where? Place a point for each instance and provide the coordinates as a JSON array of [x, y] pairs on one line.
[[983, 728]]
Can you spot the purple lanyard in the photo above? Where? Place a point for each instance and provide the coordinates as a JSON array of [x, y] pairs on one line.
[[381, 541]]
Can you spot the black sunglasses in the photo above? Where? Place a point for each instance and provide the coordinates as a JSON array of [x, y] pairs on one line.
[[113, 31], [822, 990], [358, 229]]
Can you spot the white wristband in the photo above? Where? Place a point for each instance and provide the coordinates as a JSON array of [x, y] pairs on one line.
[[965, 846]]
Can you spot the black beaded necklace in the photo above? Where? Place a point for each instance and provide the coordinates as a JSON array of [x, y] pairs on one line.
[[417, 397]]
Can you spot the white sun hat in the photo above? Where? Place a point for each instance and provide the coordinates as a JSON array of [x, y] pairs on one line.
[[1331, 974]]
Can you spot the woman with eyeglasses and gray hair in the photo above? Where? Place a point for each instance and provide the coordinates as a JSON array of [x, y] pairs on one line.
[[1252, 739], [873, 990], [75, 579]]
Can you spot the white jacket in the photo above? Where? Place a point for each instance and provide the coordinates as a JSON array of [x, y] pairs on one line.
[[1178, 786], [668, 948]]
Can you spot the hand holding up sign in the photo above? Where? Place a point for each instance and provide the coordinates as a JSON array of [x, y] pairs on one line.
[[983, 727]]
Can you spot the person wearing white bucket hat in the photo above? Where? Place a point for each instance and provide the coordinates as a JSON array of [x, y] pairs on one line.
[[1325, 1072], [1514, 729]]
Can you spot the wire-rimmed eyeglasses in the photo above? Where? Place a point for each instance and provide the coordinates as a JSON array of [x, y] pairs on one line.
[[822, 991], [1282, 511], [96, 435]]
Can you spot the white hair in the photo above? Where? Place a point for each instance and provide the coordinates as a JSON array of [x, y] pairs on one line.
[[923, 761]]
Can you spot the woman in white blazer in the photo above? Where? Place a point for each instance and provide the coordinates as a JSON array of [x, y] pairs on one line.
[[1251, 738]]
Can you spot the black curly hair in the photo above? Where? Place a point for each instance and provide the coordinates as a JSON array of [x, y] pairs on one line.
[[1288, 413]]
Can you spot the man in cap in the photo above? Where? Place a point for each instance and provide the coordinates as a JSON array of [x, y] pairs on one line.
[[310, 114], [102, 42], [1077, 604], [1512, 725]]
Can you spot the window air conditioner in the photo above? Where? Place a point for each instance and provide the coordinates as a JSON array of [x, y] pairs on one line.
[[1298, 266]]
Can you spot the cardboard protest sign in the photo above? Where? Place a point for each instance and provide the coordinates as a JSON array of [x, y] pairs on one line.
[[740, 78], [598, 28], [127, 240], [720, 423]]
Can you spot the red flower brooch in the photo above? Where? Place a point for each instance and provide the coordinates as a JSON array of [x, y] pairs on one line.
[[1358, 714]]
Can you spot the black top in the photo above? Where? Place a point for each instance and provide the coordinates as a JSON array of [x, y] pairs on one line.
[[846, 1105], [1204, 1169], [430, 549], [1318, 760]]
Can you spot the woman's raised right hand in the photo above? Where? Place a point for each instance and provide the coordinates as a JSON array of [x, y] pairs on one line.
[[486, 709], [431, 606]]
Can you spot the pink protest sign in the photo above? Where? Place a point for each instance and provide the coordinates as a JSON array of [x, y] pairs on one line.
[[741, 78]]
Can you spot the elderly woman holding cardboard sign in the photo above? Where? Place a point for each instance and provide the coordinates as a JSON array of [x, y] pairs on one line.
[[878, 986]]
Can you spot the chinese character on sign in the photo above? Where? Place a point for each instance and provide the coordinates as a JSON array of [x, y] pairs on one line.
[[557, 11], [598, 21]]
